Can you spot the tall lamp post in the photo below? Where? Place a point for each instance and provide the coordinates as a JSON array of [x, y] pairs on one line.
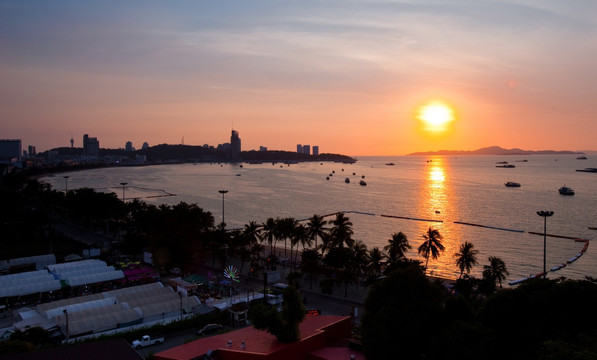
[[66, 183], [545, 214], [123, 185], [223, 192]]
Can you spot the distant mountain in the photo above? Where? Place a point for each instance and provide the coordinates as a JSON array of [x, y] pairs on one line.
[[496, 150]]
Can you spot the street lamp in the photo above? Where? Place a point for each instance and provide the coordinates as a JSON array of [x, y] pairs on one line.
[[123, 185], [223, 192], [66, 183], [545, 214]]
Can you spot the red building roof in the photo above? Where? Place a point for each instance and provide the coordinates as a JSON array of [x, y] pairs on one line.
[[317, 332]]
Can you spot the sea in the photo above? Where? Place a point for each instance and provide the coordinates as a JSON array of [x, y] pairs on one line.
[[464, 197]]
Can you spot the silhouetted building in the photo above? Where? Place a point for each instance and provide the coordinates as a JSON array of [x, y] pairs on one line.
[[32, 151], [90, 146], [299, 148], [72, 143], [315, 150], [10, 150], [263, 148], [307, 149], [145, 146], [129, 146], [234, 145]]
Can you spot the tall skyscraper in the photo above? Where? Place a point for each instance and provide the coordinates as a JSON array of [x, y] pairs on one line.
[[307, 149], [90, 146], [129, 146], [315, 150], [235, 145], [299, 148]]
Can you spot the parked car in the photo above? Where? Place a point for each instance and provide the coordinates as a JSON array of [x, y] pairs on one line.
[[147, 340], [208, 329]]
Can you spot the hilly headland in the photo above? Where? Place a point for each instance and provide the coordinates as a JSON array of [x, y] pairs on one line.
[[496, 150]]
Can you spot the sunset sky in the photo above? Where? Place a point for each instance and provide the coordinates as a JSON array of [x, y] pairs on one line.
[[349, 76]]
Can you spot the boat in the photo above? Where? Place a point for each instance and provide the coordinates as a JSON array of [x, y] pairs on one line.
[[506, 166], [525, 160], [501, 162], [581, 158], [566, 190], [390, 164], [588, 170], [347, 180], [362, 183], [512, 184]]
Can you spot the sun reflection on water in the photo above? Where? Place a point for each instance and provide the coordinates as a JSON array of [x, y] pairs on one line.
[[435, 203]]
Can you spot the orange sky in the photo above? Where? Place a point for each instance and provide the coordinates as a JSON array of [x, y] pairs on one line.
[[348, 77]]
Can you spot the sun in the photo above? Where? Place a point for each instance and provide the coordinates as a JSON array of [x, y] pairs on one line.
[[436, 116]]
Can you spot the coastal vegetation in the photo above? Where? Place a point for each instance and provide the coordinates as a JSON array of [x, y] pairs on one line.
[[406, 312]]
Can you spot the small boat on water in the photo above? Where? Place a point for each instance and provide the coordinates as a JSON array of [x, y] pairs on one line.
[[581, 158], [566, 190], [362, 183], [506, 166], [347, 180], [593, 170], [512, 184], [390, 164]]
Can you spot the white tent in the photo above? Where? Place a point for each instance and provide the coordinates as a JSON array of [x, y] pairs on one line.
[[40, 261], [27, 283], [94, 278]]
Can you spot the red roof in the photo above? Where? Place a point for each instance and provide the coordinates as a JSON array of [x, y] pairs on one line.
[[317, 332]]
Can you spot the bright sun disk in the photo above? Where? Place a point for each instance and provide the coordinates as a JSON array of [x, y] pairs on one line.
[[436, 116]]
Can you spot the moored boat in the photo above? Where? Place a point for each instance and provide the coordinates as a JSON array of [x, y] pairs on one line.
[[566, 190], [512, 184], [362, 183]]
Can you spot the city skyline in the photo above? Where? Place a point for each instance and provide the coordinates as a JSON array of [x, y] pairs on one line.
[[361, 78]]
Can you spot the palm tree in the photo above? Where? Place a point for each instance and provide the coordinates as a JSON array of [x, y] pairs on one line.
[[396, 247], [310, 264], [360, 257], [286, 230], [316, 228], [342, 232], [300, 237], [270, 232], [252, 231], [432, 245], [466, 258], [375, 258], [496, 270]]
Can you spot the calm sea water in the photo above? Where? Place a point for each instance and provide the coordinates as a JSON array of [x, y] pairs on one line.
[[432, 191]]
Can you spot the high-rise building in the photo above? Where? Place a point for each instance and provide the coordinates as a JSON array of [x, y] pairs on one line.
[[263, 148], [10, 150], [32, 151], [145, 146], [129, 146], [235, 148], [315, 150], [299, 148], [307, 149], [90, 146]]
